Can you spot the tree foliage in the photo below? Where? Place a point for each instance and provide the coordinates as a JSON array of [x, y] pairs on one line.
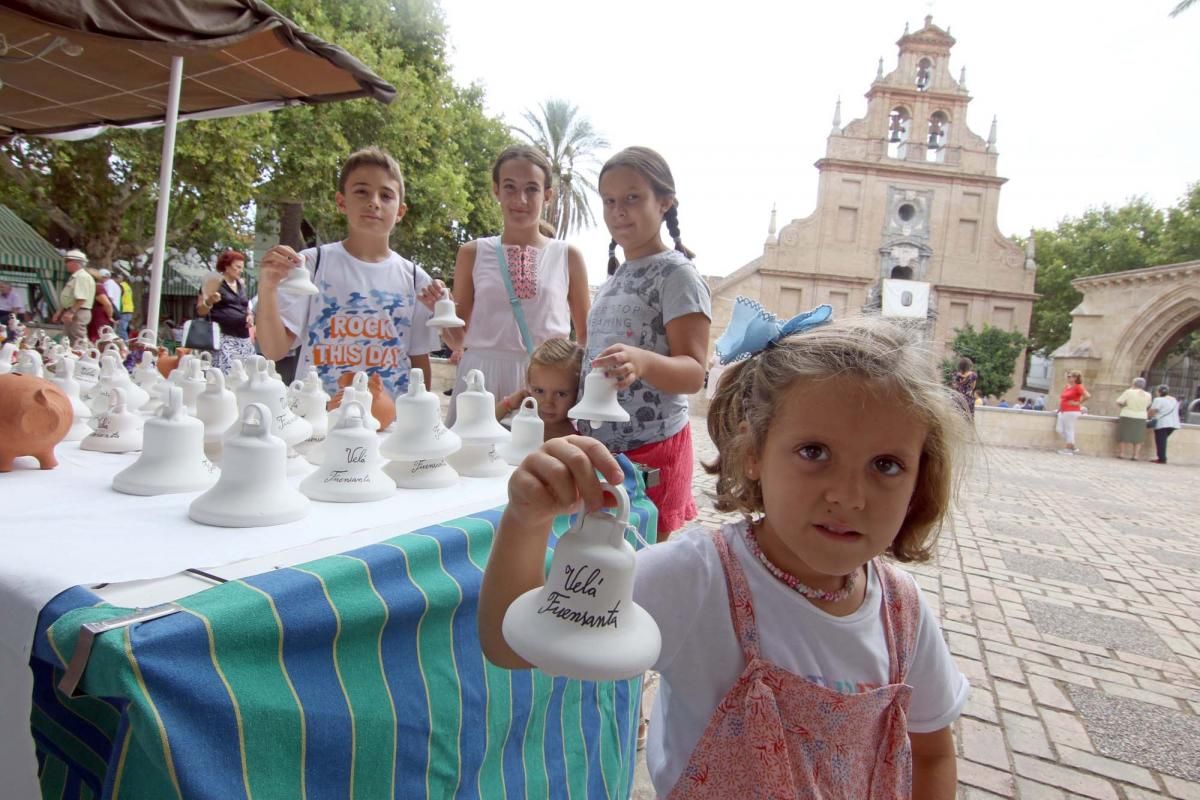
[[1104, 240], [995, 353], [571, 143]]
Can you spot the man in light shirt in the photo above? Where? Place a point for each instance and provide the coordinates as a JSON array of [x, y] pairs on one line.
[[10, 302], [76, 298]]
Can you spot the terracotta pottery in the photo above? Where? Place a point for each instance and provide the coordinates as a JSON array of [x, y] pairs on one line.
[[35, 415], [168, 361], [383, 408]]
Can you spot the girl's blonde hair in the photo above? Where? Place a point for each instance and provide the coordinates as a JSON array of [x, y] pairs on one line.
[[879, 352], [557, 352]]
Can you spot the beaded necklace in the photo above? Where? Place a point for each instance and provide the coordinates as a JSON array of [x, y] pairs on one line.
[[792, 581]]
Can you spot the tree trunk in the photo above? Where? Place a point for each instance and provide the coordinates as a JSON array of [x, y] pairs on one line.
[[291, 215]]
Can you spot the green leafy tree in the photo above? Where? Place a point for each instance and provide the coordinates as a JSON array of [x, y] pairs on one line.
[[571, 143], [995, 353]]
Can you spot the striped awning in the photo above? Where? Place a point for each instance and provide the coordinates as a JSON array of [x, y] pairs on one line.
[[20, 246]]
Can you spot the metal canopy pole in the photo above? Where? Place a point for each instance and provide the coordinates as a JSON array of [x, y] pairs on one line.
[[164, 194]]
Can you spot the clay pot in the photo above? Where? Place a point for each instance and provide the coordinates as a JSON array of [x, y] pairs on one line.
[[383, 408], [35, 415], [168, 361]]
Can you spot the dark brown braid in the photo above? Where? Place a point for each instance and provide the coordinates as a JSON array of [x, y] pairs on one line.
[[672, 219], [612, 257]]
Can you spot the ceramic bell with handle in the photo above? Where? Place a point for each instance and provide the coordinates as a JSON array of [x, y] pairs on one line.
[[308, 400], [8, 355], [599, 402], [117, 429], [445, 315], [29, 363], [475, 417], [113, 376], [583, 623], [298, 281], [260, 388], [87, 371], [252, 489], [146, 374], [65, 380], [528, 433], [237, 375], [419, 433], [172, 459], [216, 409], [351, 469]]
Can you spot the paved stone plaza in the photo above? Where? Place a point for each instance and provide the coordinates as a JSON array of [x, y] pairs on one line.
[[1069, 591]]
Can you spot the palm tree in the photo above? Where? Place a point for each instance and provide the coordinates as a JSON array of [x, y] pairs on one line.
[[1179, 9], [568, 139]]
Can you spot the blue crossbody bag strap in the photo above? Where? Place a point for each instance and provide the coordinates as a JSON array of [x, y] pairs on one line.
[[526, 339]]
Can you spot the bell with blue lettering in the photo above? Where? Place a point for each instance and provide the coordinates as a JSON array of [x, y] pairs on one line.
[[583, 623]]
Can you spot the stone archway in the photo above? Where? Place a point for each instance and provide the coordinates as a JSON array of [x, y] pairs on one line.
[[1124, 323]]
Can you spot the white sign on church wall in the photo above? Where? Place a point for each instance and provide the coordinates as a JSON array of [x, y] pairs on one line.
[[905, 298]]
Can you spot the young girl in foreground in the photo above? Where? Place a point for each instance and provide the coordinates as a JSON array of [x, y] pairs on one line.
[[794, 662], [552, 379]]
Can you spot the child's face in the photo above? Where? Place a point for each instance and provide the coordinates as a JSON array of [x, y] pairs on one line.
[[522, 193], [554, 389], [371, 202], [838, 469], [632, 212]]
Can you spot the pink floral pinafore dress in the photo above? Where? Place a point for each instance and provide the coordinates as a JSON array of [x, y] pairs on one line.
[[777, 735]]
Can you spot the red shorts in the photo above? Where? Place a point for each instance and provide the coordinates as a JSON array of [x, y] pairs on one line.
[[673, 494]]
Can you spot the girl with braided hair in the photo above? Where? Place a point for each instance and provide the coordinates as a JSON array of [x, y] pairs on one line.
[[648, 329]]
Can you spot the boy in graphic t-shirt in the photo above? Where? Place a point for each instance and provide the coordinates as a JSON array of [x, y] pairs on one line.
[[366, 316]]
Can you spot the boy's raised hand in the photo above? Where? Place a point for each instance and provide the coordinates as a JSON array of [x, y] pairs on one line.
[[276, 264], [432, 293], [552, 480]]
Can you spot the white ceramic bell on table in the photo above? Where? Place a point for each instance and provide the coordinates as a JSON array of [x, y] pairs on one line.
[[424, 473], [528, 433], [146, 374], [419, 443], [583, 623], [351, 469], [272, 372], [65, 380], [148, 338], [29, 363], [445, 315], [260, 388], [7, 352], [104, 335], [252, 489], [308, 400], [113, 376], [237, 375], [599, 402], [475, 424], [362, 393], [193, 383], [116, 430], [216, 409], [180, 372], [172, 459], [87, 371]]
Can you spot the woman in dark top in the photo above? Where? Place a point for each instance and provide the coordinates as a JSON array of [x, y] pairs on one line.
[[964, 383], [226, 304]]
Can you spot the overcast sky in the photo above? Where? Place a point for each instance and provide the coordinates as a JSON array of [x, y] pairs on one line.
[[1095, 100]]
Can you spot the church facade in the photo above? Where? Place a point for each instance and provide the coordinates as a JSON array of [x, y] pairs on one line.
[[905, 221]]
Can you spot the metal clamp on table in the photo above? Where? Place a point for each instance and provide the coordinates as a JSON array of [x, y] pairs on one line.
[[90, 630]]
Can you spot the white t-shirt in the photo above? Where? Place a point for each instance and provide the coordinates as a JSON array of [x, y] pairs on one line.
[[1166, 412], [682, 585], [366, 317]]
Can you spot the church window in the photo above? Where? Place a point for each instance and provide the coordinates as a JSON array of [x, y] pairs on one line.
[[939, 133], [899, 124], [902, 274], [924, 74], [906, 212]]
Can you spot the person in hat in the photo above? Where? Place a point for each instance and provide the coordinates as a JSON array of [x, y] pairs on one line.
[[77, 297], [112, 289]]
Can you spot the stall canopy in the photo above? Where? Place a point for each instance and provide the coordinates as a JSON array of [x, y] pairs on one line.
[[72, 67], [27, 258]]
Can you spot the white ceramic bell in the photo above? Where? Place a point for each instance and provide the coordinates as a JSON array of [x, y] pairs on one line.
[[260, 388], [146, 374], [599, 401], [113, 376], [193, 383], [65, 380], [272, 372], [106, 334], [418, 433], [351, 470], [180, 372], [583, 623], [528, 433], [445, 315], [172, 458], [253, 488], [148, 338], [475, 414], [314, 452], [298, 281], [478, 461], [424, 473], [116, 430], [29, 363], [237, 375], [7, 353], [308, 400], [216, 407], [362, 394]]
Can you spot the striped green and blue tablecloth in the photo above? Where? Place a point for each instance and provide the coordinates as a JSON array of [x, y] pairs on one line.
[[355, 676]]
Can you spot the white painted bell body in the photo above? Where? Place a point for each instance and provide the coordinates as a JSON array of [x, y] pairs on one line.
[[87, 372], [599, 402], [418, 433], [528, 433], [424, 473], [148, 338], [29, 363], [273, 394], [308, 400], [445, 315], [113, 376], [172, 458], [583, 623], [475, 415], [216, 406], [177, 375], [65, 380], [362, 393], [351, 470], [193, 384], [314, 451], [252, 489], [146, 374], [116, 429], [7, 353], [237, 375], [298, 281], [478, 461]]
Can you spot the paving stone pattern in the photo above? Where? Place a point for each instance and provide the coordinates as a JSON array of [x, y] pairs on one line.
[[1069, 592]]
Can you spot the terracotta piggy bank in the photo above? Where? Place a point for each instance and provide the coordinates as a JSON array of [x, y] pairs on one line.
[[168, 361], [383, 408], [34, 416]]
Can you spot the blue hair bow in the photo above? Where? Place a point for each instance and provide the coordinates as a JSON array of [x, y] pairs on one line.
[[752, 328]]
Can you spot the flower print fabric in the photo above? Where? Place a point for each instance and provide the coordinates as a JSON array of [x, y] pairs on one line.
[[523, 269]]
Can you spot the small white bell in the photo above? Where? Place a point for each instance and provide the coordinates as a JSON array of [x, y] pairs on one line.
[[478, 461], [475, 417], [66, 381], [148, 339], [87, 371], [362, 393], [308, 400], [273, 394], [180, 372], [193, 384], [172, 458], [298, 281], [351, 470], [106, 334], [272, 372], [237, 376], [419, 434], [7, 352], [424, 473], [146, 374], [599, 402], [445, 315], [113, 376], [583, 623], [528, 433], [253, 488], [117, 429], [29, 363], [216, 407]]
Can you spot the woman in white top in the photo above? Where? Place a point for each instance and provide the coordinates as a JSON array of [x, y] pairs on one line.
[[1165, 413], [548, 277]]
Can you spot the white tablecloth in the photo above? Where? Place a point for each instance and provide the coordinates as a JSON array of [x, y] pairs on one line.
[[67, 527]]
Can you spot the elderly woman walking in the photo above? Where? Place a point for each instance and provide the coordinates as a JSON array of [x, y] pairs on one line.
[[1131, 423], [1165, 413]]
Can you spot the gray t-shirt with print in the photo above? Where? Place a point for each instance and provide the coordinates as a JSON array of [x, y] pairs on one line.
[[634, 306]]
